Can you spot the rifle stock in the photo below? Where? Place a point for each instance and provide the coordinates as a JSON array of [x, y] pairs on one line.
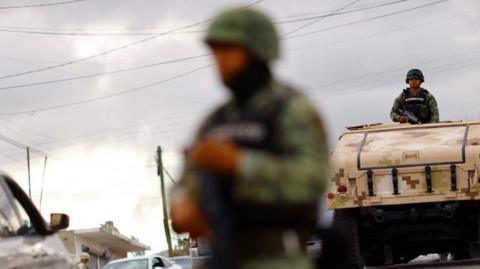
[[216, 203]]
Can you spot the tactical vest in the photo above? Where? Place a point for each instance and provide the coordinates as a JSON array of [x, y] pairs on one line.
[[257, 130], [417, 105], [254, 130]]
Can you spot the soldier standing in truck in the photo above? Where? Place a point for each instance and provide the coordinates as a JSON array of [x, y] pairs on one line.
[[415, 104]]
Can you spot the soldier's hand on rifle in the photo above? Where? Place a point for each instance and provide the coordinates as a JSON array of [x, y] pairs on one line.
[[220, 157], [187, 217], [403, 119]]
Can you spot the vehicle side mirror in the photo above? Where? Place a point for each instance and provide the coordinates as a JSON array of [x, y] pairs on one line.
[[59, 221]]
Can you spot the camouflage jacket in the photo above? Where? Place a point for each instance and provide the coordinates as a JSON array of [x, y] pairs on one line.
[[301, 176], [298, 177], [430, 106]]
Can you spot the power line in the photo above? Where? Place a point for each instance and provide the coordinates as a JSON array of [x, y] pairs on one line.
[[71, 32], [17, 162], [105, 73], [316, 13], [124, 131], [367, 19], [340, 12], [186, 58], [378, 82], [21, 145], [169, 176], [170, 26], [43, 182], [96, 99], [12, 30], [320, 18], [42, 5], [167, 62], [204, 55], [391, 31], [450, 66], [27, 129], [128, 45], [95, 55], [186, 73]]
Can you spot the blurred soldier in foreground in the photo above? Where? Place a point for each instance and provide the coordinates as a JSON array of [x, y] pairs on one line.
[[84, 259], [259, 163], [415, 105]]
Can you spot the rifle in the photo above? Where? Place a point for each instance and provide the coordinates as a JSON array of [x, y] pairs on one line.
[[216, 203], [412, 119]]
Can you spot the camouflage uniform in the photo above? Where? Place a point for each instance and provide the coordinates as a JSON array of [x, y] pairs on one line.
[[427, 110], [277, 178]]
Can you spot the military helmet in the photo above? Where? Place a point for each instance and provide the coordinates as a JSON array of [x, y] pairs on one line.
[[84, 256], [246, 27], [414, 73]]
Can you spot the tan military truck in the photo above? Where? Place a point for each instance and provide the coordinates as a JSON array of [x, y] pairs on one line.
[[399, 191]]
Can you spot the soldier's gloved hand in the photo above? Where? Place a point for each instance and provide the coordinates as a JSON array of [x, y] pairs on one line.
[[187, 217], [220, 157], [403, 119]]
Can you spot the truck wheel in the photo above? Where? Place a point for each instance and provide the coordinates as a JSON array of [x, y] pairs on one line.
[[342, 244], [375, 258]]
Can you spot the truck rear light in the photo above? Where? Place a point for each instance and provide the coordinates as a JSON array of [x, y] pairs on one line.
[[330, 196], [342, 189]]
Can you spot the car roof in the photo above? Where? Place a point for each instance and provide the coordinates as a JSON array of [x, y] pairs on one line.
[[372, 127], [137, 258]]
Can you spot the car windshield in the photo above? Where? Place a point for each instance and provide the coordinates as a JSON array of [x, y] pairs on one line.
[[133, 264]]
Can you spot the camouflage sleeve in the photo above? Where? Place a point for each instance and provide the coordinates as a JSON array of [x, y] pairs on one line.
[[187, 183], [394, 113], [299, 177], [432, 104]]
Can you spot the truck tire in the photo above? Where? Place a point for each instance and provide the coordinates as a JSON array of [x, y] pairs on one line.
[[341, 247]]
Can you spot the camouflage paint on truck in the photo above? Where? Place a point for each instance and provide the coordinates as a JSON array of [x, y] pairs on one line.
[[406, 164]]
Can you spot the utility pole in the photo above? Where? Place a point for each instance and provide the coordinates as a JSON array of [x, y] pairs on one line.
[[28, 167], [164, 201], [43, 183]]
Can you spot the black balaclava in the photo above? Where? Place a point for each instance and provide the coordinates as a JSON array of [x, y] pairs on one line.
[[249, 81]]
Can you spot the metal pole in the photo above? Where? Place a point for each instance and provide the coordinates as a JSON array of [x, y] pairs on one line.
[[164, 201], [28, 167], [43, 183]]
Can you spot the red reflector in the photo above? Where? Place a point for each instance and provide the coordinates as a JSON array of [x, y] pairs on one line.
[[342, 189], [330, 196]]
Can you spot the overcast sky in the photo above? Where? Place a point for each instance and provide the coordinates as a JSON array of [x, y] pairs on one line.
[[101, 132]]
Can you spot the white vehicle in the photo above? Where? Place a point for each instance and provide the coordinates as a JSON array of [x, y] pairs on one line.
[[26, 240], [185, 262], [143, 262]]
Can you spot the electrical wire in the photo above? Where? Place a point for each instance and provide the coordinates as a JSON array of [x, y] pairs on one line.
[[183, 74], [319, 19], [21, 145], [367, 19], [71, 32], [42, 5], [105, 73], [100, 98], [164, 62], [391, 31], [43, 183], [106, 52], [169, 176]]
